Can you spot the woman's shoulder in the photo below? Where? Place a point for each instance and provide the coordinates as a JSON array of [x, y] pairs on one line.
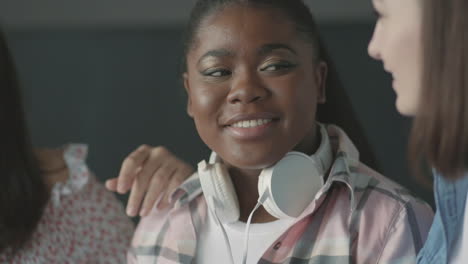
[[82, 221], [78, 196], [390, 204], [65, 170], [367, 181], [52, 164], [75, 186], [64, 165], [186, 203]]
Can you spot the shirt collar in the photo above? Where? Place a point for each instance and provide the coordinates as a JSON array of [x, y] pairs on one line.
[[343, 170]]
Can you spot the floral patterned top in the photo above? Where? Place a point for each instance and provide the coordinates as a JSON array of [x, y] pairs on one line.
[[82, 223]]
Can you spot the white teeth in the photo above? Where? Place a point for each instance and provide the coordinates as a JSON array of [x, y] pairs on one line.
[[251, 123]]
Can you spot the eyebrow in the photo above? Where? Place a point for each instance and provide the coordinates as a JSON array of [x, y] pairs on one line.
[[265, 49], [268, 48], [216, 53]]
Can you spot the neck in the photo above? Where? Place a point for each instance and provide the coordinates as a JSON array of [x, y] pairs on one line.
[[311, 141], [245, 183]]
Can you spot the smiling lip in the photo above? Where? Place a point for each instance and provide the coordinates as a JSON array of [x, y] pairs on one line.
[[392, 76], [393, 82], [251, 126]]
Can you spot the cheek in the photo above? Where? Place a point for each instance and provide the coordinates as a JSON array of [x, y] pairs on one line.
[[408, 60], [206, 104], [205, 99], [407, 46], [297, 97], [298, 94], [404, 60]]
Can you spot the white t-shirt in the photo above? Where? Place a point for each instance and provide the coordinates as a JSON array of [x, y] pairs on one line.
[[460, 250], [212, 248]]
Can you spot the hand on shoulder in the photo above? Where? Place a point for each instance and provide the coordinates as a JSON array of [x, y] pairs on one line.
[[150, 174]]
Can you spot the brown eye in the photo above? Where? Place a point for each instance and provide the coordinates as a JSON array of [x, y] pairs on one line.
[[216, 73], [277, 67]]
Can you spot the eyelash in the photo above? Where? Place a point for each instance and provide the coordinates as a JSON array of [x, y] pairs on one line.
[[280, 66], [210, 73], [377, 14], [223, 72]]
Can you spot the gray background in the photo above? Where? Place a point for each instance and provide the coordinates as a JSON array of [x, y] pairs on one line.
[[106, 73]]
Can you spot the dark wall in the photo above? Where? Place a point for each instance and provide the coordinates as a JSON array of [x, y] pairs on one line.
[[117, 89]]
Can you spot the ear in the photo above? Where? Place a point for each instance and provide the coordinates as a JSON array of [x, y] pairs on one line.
[[321, 73], [187, 89]]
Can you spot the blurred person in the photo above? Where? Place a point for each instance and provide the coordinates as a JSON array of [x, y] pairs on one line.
[[424, 46], [52, 208]]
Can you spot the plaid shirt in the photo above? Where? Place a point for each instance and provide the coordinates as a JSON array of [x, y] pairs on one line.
[[359, 216]]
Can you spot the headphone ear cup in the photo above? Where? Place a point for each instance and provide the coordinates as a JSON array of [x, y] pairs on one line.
[[271, 207], [262, 179], [323, 158], [226, 193], [217, 184], [264, 182], [291, 184]]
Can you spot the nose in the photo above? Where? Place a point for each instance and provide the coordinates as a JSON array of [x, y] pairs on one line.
[[373, 49], [247, 88]]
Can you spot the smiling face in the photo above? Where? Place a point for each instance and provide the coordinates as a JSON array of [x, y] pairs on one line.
[[253, 86], [397, 42]]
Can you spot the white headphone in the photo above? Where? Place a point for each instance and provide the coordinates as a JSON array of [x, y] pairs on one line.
[[285, 189]]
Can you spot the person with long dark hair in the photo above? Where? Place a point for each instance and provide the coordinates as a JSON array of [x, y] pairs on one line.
[[52, 209], [23, 191]]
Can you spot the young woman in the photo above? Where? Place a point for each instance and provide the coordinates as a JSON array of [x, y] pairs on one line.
[[52, 209], [255, 75], [423, 44]]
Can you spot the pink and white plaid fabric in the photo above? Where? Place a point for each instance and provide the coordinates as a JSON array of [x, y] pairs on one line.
[[359, 217]]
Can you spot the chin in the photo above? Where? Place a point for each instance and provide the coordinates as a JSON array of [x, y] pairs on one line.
[[253, 162], [405, 108]]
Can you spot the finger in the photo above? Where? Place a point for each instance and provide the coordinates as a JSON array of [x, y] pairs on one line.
[[140, 185], [130, 168], [111, 184], [158, 158], [158, 184], [176, 180], [136, 195]]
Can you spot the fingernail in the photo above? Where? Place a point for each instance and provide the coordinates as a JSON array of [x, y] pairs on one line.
[[161, 205], [144, 212], [120, 188], [131, 211]]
